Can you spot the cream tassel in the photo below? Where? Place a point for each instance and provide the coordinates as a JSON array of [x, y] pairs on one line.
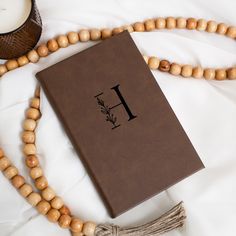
[[172, 219]]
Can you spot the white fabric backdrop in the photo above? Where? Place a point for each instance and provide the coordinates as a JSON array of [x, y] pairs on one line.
[[206, 109]]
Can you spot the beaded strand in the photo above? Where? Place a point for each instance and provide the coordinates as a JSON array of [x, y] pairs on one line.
[[169, 23]]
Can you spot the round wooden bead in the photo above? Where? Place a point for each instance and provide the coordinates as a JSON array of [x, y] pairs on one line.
[[117, 30], [11, 64], [160, 23], [73, 37], [64, 221], [41, 183], [10, 172], [231, 32], [48, 194], [149, 25], [84, 35], [62, 41], [35, 103], [164, 66], [209, 74], [191, 23], [139, 27], [28, 137], [65, 210], [181, 23], [201, 24], [18, 181], [76, 225], [25, 190], [53, 215], [43, 207], [220, 74], [221, 28], [32, 161], [29, 149], [175, 69], [1, 153], [36, 172], [23, 60], [43, 50], [29, 125], [186, 71], [211, 26], [197, 72], [89, 228], [129, 28], [3, 70], [153, 63], [170, 22], [231, 73], [4, 163], [95, 34], [57, 203], [33, 114], [52, 45], [106, 33], [34, 198], [33, 56]]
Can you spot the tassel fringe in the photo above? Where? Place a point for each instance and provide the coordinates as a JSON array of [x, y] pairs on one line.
[[172, 219]]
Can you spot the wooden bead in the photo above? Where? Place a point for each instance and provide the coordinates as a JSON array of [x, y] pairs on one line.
[[181, 23], [221, 28], [153, 63], [170, 22], [18, 181], [84, 35], [43, 207], [73, 37], [197, 72], [231, 73], [201, 24], [34, 198], [106, 33], [191, 23], [52, 45], [149, 25], [48, 194], [37, 92], [25, 190], [53, 215], [89, 228], [32, 161], [62, 41], [175, 69], [1, 153], [3, 70], [65, 210], [146, 58], [160, 23], [28, 137], [209, 74], [64, 221], [129, 28], [139, 27], [29, 149], [95, 34], [77, 234], [220, 74], [23, 61], [43, 50], [10, 172], [36, 172], [11, 64], [4, 163], [29, 125], [33, 56], [231, 32], [211, 26], [57, 203], [35, 103], [186, 71], [164, 66], [33, 114], [117, 30], [41, 183], [76, 225]]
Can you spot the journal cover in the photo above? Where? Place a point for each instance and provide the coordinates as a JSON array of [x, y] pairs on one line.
[[120, 122]]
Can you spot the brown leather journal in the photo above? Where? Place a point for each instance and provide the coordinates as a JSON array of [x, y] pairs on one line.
[[120, 122]]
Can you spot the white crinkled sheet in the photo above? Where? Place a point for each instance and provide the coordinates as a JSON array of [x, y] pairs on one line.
[[206, 109]]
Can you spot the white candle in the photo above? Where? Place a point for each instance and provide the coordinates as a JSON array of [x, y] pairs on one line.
[[13, 14]]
